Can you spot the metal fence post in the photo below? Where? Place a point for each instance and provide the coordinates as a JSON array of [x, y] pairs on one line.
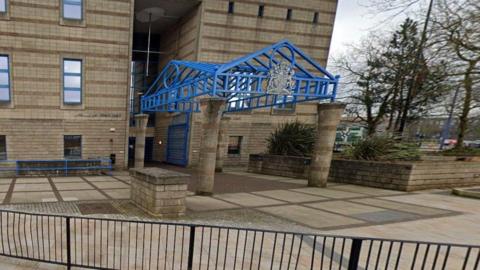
[[354, 254], [66, 167], [69, 249], [191, 247]]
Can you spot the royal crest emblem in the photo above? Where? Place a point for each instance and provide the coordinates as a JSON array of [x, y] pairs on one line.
[[280, 79]]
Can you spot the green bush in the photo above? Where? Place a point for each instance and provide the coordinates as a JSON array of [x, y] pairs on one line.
[[382, 149], [292, 139], [465, 151]]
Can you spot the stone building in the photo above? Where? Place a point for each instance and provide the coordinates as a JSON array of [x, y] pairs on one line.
[[64, 69], [219, 31], [72, 72]]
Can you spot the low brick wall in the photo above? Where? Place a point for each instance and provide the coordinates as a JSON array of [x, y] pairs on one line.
[[405, 176], [288, 166], [159, 192]]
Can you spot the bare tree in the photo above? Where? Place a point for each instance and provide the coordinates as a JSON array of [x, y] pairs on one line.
[[457, 24]]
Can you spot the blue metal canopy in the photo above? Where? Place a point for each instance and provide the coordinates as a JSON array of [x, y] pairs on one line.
[[274, 76]]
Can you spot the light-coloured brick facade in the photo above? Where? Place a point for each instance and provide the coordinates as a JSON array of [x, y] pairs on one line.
[[36, 38], [211, 34]]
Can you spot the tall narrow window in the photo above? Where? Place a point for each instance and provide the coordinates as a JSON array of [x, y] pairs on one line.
[[4, 79], [72, 9], [3, 147], [261, 8], [3, 6], [315, 17], [231, 7], [234, 145], [72, 146], [289, 14], [72, 81]]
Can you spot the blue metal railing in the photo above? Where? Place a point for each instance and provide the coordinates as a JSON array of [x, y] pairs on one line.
[[59, 166]]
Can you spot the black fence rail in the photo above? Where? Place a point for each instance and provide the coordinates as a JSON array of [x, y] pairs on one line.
[[98, 243]]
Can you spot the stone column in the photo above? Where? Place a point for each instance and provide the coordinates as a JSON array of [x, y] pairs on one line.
[[141, 129], [329, 115], [222, 143], [211, 108]]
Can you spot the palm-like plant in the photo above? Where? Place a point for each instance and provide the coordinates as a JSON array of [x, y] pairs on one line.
[[292, 139]]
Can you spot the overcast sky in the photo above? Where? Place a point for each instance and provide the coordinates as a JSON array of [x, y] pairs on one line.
[[354, 20]]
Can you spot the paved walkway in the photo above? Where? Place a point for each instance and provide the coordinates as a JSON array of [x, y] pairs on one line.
[[252, 200]]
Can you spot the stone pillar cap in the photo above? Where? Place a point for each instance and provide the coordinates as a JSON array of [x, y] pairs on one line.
[[160, 176], [141, 115]]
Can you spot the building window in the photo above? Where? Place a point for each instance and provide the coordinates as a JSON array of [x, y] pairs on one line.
[[289, 14], [4, 78], [234, 145], [315, 17], [72, 146], [3, 6], [231, 7], [261, 8], [72, 81], [3, 147], [285, 103], [72, 9]]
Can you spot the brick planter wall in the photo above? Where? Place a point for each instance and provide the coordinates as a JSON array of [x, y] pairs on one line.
[[287, 166], [405, 176]]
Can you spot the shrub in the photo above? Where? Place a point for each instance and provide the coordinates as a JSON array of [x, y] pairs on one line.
[[465, 151], [292, 139], [382, 149]]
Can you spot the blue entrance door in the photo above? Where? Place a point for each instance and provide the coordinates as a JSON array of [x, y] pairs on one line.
[[177, 141]]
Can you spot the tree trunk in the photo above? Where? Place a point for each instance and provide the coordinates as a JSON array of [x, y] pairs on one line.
[[468, 85]]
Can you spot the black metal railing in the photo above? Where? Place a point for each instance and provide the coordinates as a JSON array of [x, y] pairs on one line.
[[102, 243]]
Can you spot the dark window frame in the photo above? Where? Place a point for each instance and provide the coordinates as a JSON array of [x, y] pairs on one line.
[[69, 155], [235, 149], [64, 74], [289, 14], [315, 17], [5, 7], [72, 3], [261, 10], [3, 155], [231, 7], [7, 86]]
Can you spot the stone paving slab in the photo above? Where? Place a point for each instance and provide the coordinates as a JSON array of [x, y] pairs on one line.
[[99, 178], [344, 207], [69, 179], [310, 217], [367, 190], [447, 202], [414, 209], [384, 216], [83, 195], [32, 180], [32, 187], [110, 184], [328, 193], [289, 196], [200, 203], [33, 197], [4, 188], [118, 194], [248, 200], [73, 186], [5, 181]]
